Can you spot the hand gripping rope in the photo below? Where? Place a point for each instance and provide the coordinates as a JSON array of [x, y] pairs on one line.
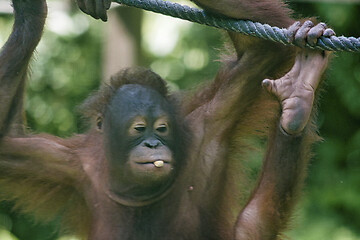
[[264, 31]]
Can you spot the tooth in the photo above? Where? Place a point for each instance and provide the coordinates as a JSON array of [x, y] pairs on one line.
[[159, 163]]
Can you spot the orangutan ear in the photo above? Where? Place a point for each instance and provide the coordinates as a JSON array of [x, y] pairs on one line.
[[99, 122]]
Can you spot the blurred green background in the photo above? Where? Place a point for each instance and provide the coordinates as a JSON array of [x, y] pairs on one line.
[[76, 52]]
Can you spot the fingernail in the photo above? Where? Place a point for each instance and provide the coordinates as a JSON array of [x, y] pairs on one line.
[[266, 83]]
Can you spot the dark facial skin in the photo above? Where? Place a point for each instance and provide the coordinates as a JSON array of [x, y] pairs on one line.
[[139, 140]]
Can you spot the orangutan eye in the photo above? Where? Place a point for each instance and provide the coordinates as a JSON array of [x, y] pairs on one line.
[[137, 127], [140, 128], [162, 128]]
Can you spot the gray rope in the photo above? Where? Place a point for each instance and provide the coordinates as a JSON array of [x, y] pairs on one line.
[[264, 31]]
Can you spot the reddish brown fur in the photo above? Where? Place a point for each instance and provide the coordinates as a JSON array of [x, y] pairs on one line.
[[96, 103], [48, 176]]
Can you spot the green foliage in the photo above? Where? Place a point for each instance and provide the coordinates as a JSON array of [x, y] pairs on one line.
[[331, 206], [193, 57], [67, 68]]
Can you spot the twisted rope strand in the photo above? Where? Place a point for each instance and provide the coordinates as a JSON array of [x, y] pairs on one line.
[[264, 31]]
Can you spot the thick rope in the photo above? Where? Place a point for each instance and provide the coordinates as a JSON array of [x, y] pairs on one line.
[[264, 31]]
